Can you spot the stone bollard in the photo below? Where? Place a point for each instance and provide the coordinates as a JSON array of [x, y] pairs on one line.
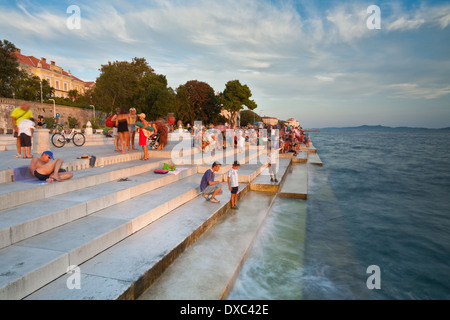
[[88, 130], [41, 141]]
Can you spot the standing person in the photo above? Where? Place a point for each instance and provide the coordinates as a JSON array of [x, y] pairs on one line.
[[143, 136], [208, 186], [45, 170], [163, 131], [132, 127], [272, 162], [233, 184], [19, 114], [26, 129], [122, 129], [115, 130]]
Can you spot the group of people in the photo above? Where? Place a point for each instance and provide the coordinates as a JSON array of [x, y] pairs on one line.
[[45, 167], [210, 188], [125, 124]]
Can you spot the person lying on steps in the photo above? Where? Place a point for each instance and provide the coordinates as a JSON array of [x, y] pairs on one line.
[[46, 168]]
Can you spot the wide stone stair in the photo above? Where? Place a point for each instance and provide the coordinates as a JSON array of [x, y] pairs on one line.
[[45, 230]]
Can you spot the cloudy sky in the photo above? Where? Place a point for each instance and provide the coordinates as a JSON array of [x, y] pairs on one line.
[[316, 61]]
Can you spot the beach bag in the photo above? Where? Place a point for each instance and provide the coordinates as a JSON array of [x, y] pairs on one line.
[[159, 171], [109, 123], [169, 167]]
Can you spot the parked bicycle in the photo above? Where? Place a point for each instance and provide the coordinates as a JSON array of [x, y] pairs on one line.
[[59, 139]]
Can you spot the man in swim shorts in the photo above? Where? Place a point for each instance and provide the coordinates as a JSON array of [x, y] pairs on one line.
[[46, 168]]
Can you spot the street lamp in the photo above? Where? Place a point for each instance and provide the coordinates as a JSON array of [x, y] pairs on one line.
[[41, 93], [54, 108], [93, 107]]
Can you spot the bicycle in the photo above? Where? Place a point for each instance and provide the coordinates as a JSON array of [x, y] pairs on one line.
[[59, 139]]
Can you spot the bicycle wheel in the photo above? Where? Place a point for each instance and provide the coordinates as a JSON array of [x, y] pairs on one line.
[[79, 139], [58, 140]]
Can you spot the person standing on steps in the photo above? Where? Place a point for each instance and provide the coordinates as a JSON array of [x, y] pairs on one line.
[[46, 170], [132, 127], [122, 122], [208, 186], [19, 114], [233, 184], [272, 162]]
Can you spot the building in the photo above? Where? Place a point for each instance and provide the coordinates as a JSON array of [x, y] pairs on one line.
[[60, 80], [270, 121], [292, 122]]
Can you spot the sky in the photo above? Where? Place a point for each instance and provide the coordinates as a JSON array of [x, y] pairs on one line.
[[316, 61]]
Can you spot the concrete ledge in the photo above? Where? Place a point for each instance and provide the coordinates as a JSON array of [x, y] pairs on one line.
[[296, 183], [121, 273], [23, 222], [263, 183], [314, 159], [76, 242], [30, 193]]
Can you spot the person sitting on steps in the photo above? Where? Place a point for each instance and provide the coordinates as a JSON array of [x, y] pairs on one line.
[[46, 170]]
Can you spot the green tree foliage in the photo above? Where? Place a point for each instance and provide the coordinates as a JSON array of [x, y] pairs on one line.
[[123, 84], [118, 85], [235, 97], [249, 117], [154, 97], [29, 87], [196, 101], [8, 68]]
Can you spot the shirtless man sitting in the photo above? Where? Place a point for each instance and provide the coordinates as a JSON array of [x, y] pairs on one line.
[[46, 170]]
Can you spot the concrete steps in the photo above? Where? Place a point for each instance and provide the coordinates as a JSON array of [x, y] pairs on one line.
[[121, 235], [19, 193], [263, 183], [313, 158], [231, 237], [296, 183], [30, 264], [22, 222], [127, 269]]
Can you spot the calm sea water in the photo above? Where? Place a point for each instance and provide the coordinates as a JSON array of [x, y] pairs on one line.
[[382, 198]]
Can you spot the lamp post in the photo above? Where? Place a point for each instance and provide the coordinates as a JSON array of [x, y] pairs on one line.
[[93, 107], [54, 108], [42, 100]]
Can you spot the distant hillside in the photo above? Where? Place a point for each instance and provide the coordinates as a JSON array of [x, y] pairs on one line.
[[380, 127]]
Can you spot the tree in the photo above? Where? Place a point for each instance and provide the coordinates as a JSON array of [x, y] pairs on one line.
[[73, 95], [154, 97], [29, 87], [248, 116], [196, 101], [8, 68], [118, 85], [235, 97]]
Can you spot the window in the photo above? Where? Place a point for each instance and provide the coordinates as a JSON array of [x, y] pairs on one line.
[[57, 85], [65, 86]]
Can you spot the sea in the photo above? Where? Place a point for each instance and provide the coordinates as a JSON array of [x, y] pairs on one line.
[[376, 225]]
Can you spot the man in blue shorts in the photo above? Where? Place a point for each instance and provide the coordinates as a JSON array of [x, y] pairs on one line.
[[208, 186]]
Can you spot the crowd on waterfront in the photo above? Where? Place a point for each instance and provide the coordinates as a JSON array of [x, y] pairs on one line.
[[125, 125]]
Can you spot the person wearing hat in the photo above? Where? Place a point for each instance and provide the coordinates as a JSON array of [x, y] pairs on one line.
[[142, 124], [46, 168], [233, 184], [208, 185]]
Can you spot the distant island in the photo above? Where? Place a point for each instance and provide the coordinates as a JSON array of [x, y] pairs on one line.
[[379, 127]]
